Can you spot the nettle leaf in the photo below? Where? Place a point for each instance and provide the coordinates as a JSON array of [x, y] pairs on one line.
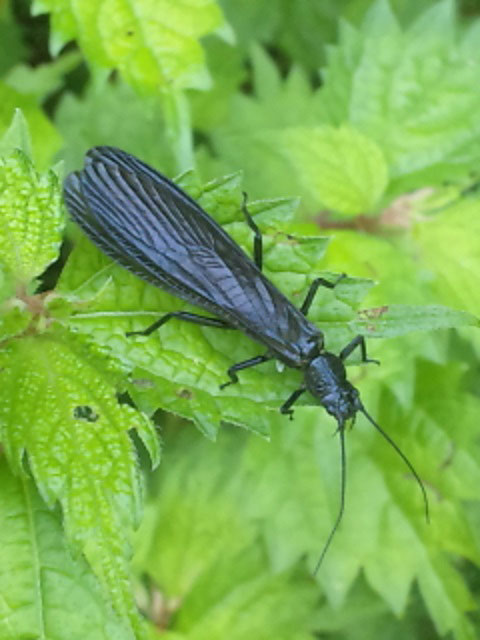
[[59, 407], [42, 80], [305, 27], [288, 491], [16, 136], [253, 21], [38, 570], [448, 244], [46, 140], [152, 44], [446, 446], [341, 168], [412, 90], [185, 545], [227, 67], [365, 616], [15, 317], [11, 37], [375, 256], [32, 218], [182, 366], [249, 135], [98, 117], [396, 320], [409, 90], [281, 605]]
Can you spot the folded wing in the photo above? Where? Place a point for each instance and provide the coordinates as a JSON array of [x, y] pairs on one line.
[[147, 224]]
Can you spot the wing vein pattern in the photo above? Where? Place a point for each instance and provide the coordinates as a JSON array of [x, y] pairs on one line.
[[151, 227]]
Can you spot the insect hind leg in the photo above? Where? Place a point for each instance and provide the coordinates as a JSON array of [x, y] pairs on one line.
[[357, 342], [318, 282], [194, 318], [251, 362], [257, 240]]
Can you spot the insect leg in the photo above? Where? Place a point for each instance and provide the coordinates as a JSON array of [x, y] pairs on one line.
[[307, 303], [285, 408], [257, 241], [181, 315], [252, 362], [358, 341]]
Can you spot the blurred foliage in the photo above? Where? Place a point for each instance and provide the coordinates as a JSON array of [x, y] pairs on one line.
[[370, 111]]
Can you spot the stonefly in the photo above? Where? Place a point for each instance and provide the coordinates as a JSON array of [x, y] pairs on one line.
[[151, 227]]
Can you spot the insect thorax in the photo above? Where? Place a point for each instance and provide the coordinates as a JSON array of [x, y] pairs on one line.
[[326, 379]]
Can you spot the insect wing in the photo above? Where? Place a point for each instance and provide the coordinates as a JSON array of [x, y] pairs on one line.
[[148, 225]]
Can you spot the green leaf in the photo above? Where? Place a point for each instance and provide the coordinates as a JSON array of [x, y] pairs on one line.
[[59, 406], [448, 245], [226, 64], [299, 30], [13, 47], [305, 27], [253, 21], [280, 605], [412, 90], [44, 79], [288, 489], [389, 264], [15, 317], [17, 136], [98, 117], [341, 168], [153, 45], [446, 595], [395, 320], [32, 218], [7, 287], [45, 138], [38, 570], [365, 616], [253, 125], [215, 577], [408, 89], [199, 541]]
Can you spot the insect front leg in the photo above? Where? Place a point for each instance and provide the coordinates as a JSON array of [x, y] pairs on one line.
[[252, 362], [358, 341], [257, 241], [205, 321], [318, 282], [285, 408]]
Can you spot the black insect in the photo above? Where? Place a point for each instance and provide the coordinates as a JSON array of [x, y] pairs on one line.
[[152, 228]]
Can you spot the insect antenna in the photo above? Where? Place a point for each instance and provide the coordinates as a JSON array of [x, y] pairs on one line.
[[343, 464], [403, 456]]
